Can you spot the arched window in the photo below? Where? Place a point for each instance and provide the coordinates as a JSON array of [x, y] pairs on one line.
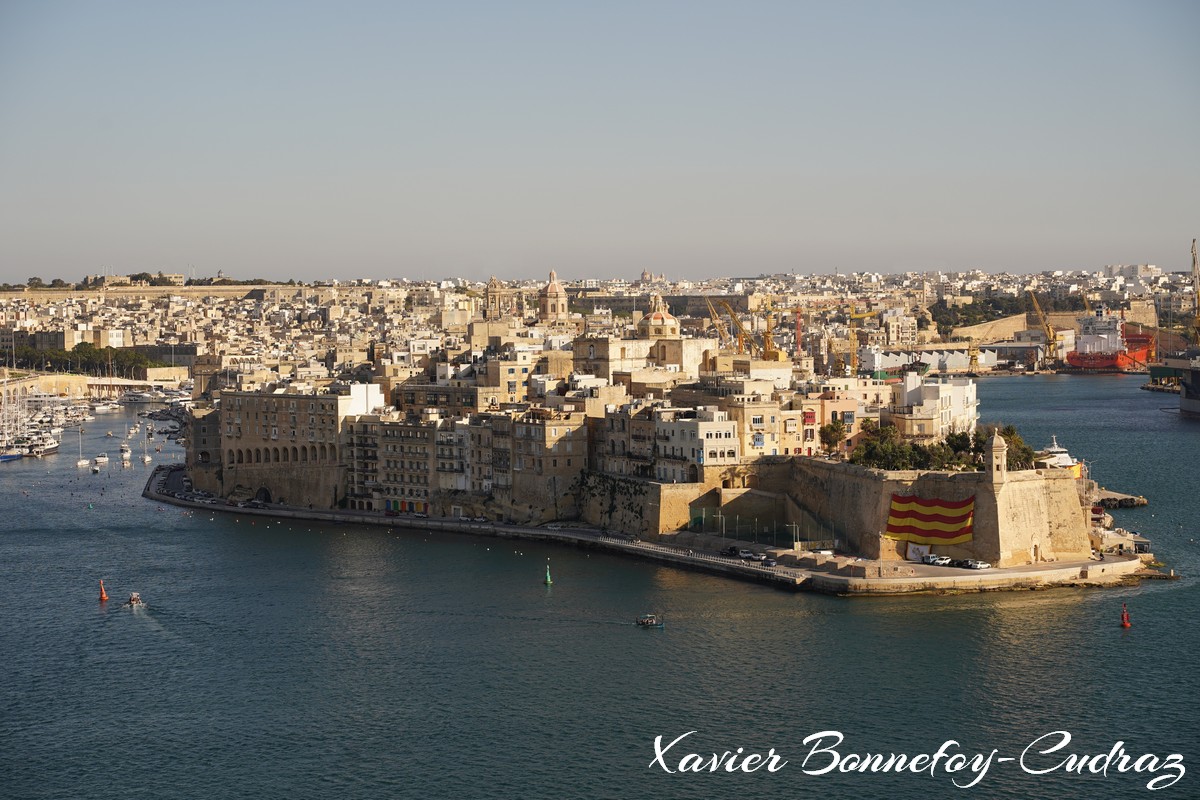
[[257, 456]]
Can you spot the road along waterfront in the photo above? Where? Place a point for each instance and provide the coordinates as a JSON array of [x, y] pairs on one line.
[[166, 483]]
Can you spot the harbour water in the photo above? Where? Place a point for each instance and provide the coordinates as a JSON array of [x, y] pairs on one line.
[[289, 659]]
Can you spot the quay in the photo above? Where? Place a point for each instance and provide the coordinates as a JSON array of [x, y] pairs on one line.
[[1110, 499], [796, 571]]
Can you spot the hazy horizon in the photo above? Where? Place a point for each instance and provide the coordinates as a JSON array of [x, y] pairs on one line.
[[700, 139]]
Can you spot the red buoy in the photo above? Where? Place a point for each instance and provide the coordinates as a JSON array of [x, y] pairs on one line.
[[103, 594], [1125, 623]]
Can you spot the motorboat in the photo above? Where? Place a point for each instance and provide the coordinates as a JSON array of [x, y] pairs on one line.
[[649, 621], [135, 600], [101, 459]]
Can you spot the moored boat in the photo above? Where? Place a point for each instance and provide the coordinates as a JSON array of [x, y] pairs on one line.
[[1057, 457], [649, 621], [1104, 345]]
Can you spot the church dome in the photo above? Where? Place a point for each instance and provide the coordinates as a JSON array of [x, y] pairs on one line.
[[659, 322], [553, 301]]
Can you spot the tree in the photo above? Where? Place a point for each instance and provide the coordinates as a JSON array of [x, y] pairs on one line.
[[832, 435], [58, 283], [35, 283]]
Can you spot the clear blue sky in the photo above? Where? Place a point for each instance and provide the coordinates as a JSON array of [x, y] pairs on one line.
[[393, 139]]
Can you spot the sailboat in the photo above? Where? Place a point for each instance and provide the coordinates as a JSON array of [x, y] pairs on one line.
[[82, 462], [145, 455]]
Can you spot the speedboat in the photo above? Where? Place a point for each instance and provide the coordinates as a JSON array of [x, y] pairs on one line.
[[649, 621], [135, 600], [101, 459]]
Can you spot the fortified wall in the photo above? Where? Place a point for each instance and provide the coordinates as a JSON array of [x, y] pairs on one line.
[[1025, 517]]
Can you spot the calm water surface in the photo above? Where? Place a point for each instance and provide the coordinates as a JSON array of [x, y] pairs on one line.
[[283, 659]]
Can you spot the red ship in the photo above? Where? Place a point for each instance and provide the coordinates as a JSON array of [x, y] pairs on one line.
[[1103, 345]]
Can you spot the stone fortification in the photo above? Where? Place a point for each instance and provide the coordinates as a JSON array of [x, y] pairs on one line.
[[993, 331], [1021, 517]]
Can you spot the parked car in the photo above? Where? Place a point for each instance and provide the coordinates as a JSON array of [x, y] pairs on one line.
[[961, 563], [421, 515], [759, 557], [769, 562], [745, 554], [730, 551], [479, 519], [976, 564], [940, 561]]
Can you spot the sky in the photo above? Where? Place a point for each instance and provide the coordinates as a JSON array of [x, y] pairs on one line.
[[694, 139]]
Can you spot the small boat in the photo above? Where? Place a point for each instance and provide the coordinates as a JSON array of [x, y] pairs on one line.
[[109, 434], [135, 600], [82, 462], [649, 621], [101, 459], [95, 469]]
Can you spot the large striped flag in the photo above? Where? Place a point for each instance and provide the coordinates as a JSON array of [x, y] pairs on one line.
[[930, 521]]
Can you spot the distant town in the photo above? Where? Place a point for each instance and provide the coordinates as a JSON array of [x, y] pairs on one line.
[[652, 406]]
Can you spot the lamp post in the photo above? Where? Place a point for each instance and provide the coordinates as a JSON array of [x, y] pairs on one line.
[[795, 529]]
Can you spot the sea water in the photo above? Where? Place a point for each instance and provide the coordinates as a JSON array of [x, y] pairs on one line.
[[292, 659]]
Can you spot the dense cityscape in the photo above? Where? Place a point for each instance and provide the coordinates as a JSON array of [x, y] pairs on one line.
[[650, 407]]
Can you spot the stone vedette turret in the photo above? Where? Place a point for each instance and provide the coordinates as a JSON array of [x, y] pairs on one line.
[[998, 448]]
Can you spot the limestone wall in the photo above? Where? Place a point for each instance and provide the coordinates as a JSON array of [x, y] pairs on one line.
[[1031, 514], [993, 331], [322, 485]]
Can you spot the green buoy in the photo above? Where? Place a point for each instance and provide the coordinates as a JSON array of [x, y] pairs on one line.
[[549, 582]]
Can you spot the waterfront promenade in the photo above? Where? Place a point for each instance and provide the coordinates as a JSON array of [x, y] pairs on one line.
[[796, 571]]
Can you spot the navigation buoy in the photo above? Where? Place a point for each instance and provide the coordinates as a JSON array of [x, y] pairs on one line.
[[1125, 623], [103, 594], [549, 582]]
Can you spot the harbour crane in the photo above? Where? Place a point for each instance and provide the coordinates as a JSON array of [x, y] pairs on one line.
[[1051, 338], [744, 339], [722, 332]]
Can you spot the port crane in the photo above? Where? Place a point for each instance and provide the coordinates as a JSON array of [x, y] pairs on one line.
[[722, 331], [1051, 338], [745, 341]]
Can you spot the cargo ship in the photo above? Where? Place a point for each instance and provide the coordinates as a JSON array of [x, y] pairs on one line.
[[1104, 346]]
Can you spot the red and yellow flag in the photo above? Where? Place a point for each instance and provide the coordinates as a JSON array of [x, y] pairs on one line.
[[930, 521]]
